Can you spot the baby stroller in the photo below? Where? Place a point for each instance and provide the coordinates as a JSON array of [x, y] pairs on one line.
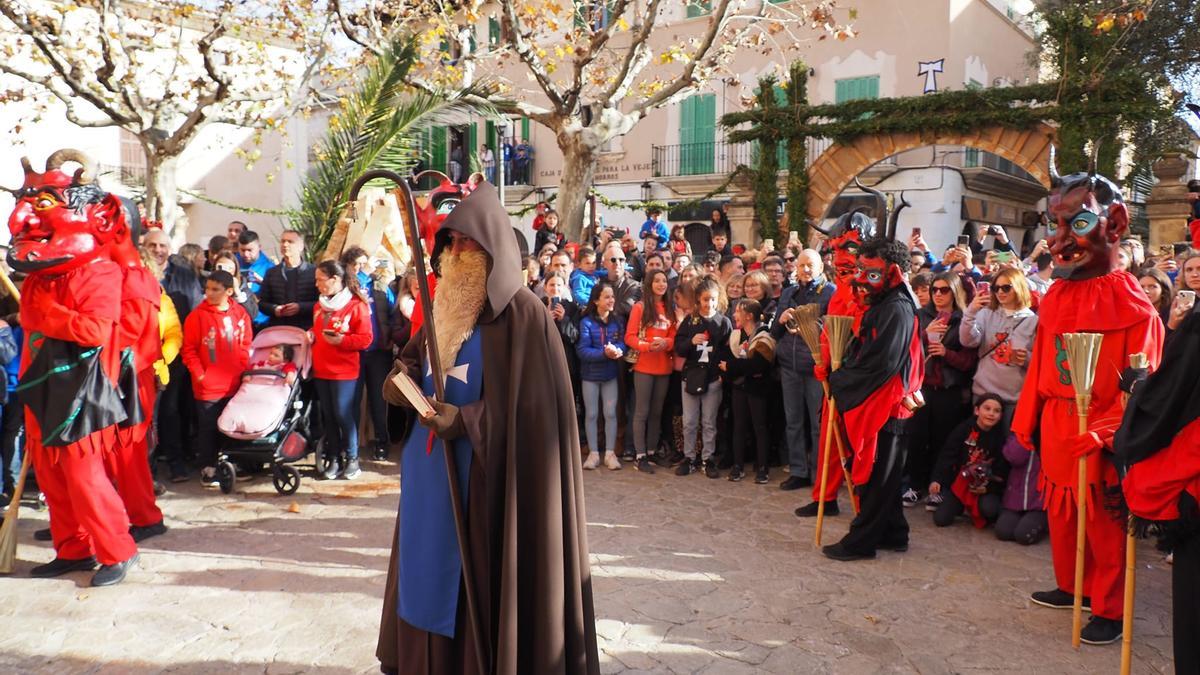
[[268, 421]]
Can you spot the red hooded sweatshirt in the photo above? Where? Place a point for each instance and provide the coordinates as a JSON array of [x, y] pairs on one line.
[[353, 321], [216, 349]]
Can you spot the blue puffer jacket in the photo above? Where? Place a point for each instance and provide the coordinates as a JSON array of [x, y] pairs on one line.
[[594, 366]]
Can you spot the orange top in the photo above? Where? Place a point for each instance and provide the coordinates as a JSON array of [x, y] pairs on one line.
[[651, 363]]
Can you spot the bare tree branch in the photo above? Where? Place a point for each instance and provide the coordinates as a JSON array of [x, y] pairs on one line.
[[529, 57], [595, 48], [351, 32]]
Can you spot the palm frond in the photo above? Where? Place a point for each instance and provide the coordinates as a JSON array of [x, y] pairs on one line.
[[377, 127]]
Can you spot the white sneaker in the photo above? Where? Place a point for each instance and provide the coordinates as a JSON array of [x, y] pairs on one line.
[[208, 477], [611, 462], [932, 502], [592, 461], [910, 498]]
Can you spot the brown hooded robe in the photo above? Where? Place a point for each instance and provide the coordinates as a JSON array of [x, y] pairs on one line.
[[527, 542]]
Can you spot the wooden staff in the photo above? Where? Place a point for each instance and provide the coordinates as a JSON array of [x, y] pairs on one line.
[[1138, 360], [837, 330], [482, 657], [1083, 350], [8, 531]]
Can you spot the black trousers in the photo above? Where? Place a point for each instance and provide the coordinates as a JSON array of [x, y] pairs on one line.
[[207, 436], [952, 507], [1185, 600], [1023, 527], [374, 366], [12, 429], [750, 419], [171, 407], [880, 520], [927, 430]]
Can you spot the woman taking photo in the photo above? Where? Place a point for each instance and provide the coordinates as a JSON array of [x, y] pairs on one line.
[[651, 334], [947, 387], [1000, 325], [1188, 280], [341, 330]]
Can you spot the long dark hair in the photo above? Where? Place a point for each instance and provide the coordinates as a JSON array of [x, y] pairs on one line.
[[590, 310], [650, 307], [333, 268]]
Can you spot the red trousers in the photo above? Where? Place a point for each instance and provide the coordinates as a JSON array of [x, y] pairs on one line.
[[834, 469], [86, 515], [128, 466], [1103, 563]]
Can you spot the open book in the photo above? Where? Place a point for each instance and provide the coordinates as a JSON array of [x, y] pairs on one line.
[[413, 393]]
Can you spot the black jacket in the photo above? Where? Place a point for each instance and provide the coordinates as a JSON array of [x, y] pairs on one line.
[[284, 285], [717, 349], [183, 286], [751, 373], [790, 349], [956, 453], [879, 352]]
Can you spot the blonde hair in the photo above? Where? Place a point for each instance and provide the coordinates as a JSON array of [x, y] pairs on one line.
[[1020, 288], [759, 277]]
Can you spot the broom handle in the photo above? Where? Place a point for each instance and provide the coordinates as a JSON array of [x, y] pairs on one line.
[[824, 468], [8, 285], [1138, 360], [843, 454], [17, 491], [1080, 536]]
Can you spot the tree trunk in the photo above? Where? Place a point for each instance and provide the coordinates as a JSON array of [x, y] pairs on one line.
[[578, 170], [162, 196]]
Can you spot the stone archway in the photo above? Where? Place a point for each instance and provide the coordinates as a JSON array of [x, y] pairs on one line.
[[839, 164]]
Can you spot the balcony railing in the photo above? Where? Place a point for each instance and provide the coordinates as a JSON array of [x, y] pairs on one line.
[[719, 157]]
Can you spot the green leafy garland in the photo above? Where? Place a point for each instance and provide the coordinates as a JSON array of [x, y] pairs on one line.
[[796, 213], [766, 170]]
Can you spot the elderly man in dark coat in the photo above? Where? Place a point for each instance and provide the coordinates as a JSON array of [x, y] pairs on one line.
[[509, 420]]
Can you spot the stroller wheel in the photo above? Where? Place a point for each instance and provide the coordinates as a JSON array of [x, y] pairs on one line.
[[226, 475], [286, 479]]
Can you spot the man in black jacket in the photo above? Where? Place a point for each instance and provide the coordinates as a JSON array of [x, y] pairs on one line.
[[289, 290], [628, 292]]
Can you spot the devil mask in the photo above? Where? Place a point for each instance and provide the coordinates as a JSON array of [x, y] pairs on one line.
[[845, 237], [880, 268], [61, 221], [1086, 221]]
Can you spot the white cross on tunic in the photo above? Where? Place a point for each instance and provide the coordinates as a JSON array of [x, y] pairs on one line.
[[704, 350]]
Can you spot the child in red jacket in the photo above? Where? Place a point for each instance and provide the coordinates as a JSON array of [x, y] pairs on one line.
[[341, 331], [216, 351]]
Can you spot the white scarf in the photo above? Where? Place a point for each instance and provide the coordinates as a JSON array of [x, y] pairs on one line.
[[336, 301]]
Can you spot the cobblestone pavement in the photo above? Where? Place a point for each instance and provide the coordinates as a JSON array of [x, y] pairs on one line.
[[691, 575]]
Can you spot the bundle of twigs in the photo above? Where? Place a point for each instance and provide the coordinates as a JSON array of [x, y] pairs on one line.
[[838, 330], [1083, 351], [806, 322]]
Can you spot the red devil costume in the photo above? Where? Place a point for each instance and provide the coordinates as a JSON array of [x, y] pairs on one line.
[[140, 343], [1087, 220], [883, 367], [70, 311]]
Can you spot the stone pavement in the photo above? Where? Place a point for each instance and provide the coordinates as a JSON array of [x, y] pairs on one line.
[[691, 575]]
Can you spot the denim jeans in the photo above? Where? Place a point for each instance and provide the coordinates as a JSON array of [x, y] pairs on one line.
[[802, 400], [650, 392], [593, 394], [700, 412], [339, 407]]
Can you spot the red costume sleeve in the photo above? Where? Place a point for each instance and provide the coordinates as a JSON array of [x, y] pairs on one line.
[[97, 308]]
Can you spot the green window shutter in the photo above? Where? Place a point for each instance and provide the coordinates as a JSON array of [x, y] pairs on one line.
[[471, 156], [687, 130], [525, 128], [489, 135], [855, 88], [437, 150], [697, 8], [697, 134], [493, 32]]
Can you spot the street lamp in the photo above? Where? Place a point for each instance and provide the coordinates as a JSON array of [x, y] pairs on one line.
[[646, 191]]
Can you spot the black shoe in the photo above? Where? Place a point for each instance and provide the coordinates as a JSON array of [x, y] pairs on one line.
[[43, 534], [159, 489], [896, 547], [676, 458], [60, 566], [683, 469], [629, 456], [736, 473], [795, 483], [332, 468], [645, 465], [380, 453], [179, 473], [839, 552], [110, 575], [352, 470], [1101, 631], [763, 476], [711, 470], [144, 532], [1059, 599], [810, 510]]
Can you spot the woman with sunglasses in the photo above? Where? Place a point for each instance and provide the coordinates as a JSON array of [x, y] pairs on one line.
[[949, 366], [1001, 325]]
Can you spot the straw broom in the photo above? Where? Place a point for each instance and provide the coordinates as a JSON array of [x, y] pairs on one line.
[[1138, 360], [1083, 350], [837, 332], [8, 531], [806, 322]]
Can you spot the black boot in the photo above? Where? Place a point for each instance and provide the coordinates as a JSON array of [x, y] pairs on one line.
[[110, 575], [810, 510], [60, 566]]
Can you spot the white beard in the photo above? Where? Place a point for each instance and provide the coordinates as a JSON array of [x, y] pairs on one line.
[[461, 294]]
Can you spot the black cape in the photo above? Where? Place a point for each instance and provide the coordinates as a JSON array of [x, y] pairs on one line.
[[879, 352], [526, 528]]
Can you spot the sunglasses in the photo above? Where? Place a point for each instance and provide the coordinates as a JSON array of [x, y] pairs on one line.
[[940, 290], [1003, 288], [616, 260], [790, 259]]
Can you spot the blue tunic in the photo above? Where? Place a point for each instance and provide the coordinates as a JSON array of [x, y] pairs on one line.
[[429, 565]]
